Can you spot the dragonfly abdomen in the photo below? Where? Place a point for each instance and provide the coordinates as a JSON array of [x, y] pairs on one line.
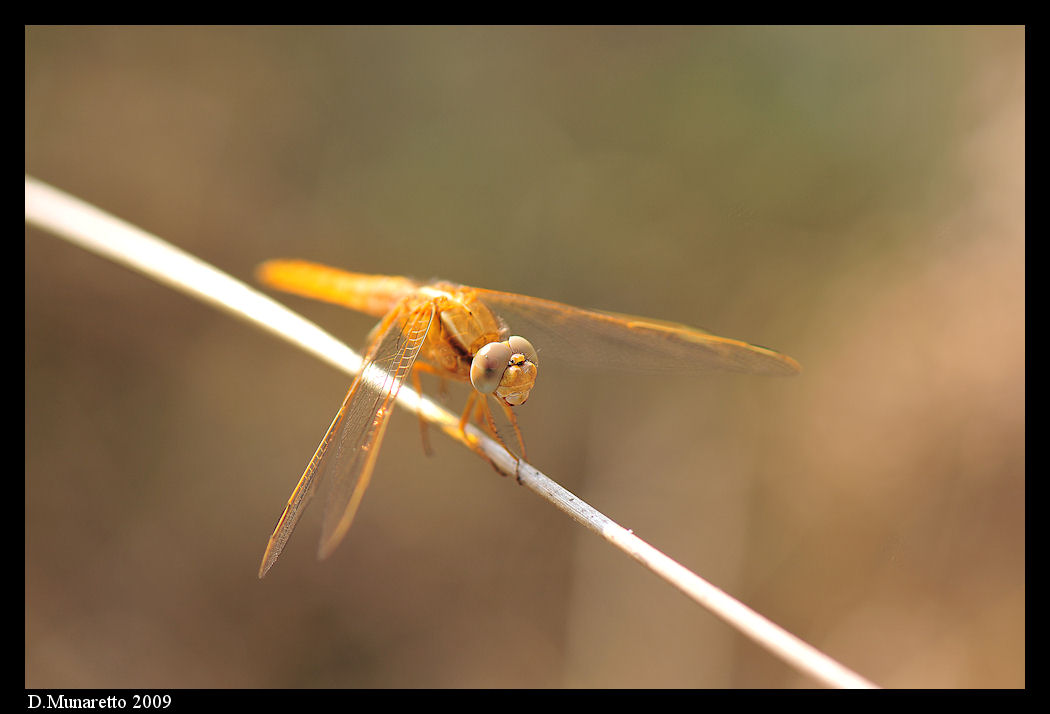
[[371, 294]]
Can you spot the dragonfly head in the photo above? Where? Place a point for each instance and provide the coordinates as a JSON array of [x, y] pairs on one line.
[[506, 369]]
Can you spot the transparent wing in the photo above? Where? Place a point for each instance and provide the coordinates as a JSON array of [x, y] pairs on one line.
[[343, 463], [590, 337]]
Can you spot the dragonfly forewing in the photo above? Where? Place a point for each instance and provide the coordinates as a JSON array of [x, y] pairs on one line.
[[582, 337], [343, 463]]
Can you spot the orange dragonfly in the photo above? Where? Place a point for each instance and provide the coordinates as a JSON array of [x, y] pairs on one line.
[[452, 331]]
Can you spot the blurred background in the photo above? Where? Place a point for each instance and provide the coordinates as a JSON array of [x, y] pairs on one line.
[[854, 198]]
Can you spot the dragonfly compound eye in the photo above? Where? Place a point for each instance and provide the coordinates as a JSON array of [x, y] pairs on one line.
[[519, 345], [488, 366]]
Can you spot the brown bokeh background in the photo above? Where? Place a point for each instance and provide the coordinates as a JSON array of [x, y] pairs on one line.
[[852, 197]]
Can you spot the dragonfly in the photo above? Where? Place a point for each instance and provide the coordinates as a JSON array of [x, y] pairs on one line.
[[462, 333]]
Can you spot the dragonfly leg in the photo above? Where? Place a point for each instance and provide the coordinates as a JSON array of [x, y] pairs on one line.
[[470, 439], [464, 419], [417, 384], [478, 406], [485, 413], [521, 442], [517, 431], [441, 374]]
